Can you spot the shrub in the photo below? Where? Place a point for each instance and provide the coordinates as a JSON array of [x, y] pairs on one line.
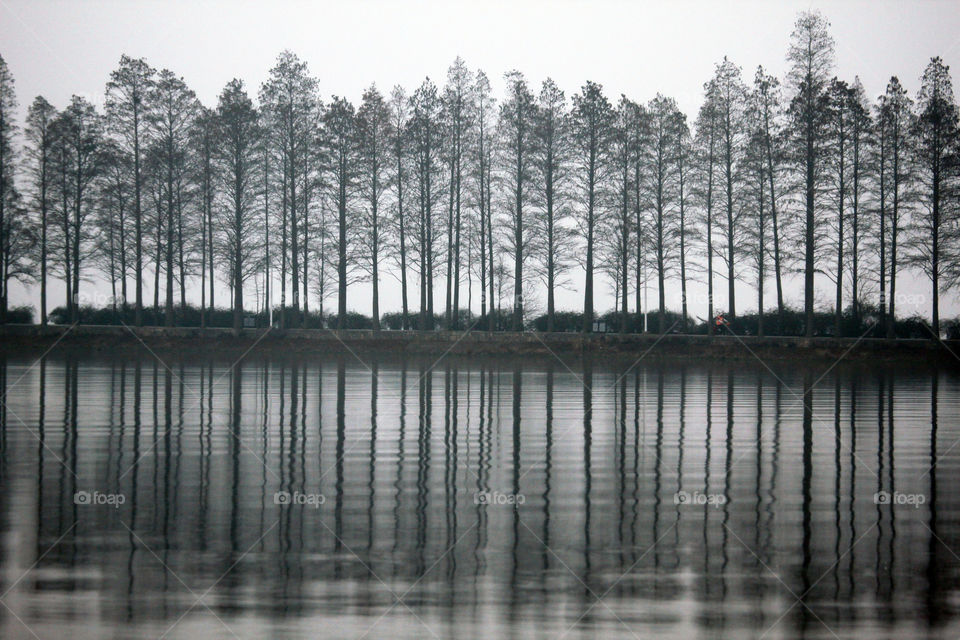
[[352, 320], [20, 315], [952, 329], [562, 321], [791, 324]]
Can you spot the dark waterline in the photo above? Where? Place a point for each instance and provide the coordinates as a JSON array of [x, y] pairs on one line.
[[477, 498]]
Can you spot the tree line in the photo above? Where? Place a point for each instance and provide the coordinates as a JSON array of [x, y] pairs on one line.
[[771, 178]]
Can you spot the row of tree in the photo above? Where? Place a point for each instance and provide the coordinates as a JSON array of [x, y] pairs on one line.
[[807, 176]]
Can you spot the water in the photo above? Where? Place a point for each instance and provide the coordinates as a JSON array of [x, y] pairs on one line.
[[477, 498]]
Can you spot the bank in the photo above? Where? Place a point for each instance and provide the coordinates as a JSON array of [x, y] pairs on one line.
[[183, 340]]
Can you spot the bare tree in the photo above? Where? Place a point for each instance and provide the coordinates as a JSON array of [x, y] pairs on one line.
[[373, 133], [425, 138], [238, 139], [755, 183], [290, 105], [707, 145], [896, 120], [731, 103], [590, 129], [39, 138], [551, 160], [767, 106], [340, 143], [204, 167], [682, 153], [811, 58], [483, 146], [621, 227], [171, 119], [399, 117], [113, 203], [937, 135], [127, 107], [80, 135], [517, 124], [660, 194], [9, 198], [839, 105], [457, 110], [861, 127]]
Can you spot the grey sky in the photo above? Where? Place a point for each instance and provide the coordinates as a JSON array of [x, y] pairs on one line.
[[61, 48]]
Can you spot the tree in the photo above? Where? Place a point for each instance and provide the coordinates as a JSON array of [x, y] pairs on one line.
[[456, 108], [484, 106], [127, 107], [289, 106], [661, 193], [811, 58], [39, 147], [639, 142], [10, 209], [767, 106], [681, 153], [840, 104], [80, 137], [239, 135], [171, 118], [268, 153], [731, 102], [755, 183], [516, 131], [204, 167], [937, 135], [374, 135], [425, 140], [707, 143], [399, 116], [590, 126], [113, 202], [861, 127], [19, 242], [326, 254], [624, 146], [896, 121], [154, 216], [551, 157], [340, 144]]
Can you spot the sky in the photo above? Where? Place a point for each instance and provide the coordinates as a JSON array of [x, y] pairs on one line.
[[635, 48]]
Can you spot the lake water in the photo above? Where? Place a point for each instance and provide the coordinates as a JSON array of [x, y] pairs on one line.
[[387, 498]]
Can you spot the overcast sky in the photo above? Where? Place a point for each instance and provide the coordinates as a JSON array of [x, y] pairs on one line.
[[61, 48]]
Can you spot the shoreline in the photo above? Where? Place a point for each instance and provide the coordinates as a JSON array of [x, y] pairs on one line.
[[95, 339]]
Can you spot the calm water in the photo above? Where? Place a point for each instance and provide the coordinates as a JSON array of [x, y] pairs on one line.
[[495, 499]]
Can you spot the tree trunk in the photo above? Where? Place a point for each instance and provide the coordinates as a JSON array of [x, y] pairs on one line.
[[405, 320], [809, 236], [777, 271], [588, 285], [138, 217], [342, 250], [169, 248]]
